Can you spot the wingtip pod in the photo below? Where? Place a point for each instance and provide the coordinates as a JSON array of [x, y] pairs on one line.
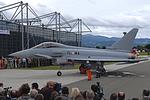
[[126, 42]]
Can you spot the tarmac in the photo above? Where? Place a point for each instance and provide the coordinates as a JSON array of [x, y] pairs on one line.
[[130, 78], [15, 77]]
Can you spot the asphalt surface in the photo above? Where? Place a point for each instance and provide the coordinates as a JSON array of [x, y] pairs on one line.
[[131, 80], [15, 77]]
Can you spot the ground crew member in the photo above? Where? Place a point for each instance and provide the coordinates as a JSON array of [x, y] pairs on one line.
[[89, 74]]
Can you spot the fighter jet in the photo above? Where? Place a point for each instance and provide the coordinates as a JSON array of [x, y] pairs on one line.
[[61, 54]]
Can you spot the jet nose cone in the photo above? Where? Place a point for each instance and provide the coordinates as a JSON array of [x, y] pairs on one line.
[[20, 54], [16, 54], [12, 54]]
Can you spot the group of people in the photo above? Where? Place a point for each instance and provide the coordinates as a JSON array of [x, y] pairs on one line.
[[121, 96], [49, 92], [52, 92], [13, 62], [19, 62]]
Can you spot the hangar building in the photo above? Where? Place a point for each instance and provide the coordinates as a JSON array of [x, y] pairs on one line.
[[25, 28]]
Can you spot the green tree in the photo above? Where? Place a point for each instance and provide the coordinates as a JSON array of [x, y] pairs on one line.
[[140, 47], [98, 47], [103, 47], [147, 47]]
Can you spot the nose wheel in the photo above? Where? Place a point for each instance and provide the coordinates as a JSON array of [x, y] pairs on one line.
[[59, 73]]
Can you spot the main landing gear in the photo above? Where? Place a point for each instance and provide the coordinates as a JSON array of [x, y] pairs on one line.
[[83, 68], [100, 70]]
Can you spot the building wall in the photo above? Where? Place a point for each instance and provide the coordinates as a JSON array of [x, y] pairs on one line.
[[12, 41]]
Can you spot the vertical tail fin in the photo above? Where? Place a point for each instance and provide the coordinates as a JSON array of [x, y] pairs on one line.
[[126, 42]]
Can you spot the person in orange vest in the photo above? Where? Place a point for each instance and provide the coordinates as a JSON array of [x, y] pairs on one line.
[[89, 74], [88, 70]]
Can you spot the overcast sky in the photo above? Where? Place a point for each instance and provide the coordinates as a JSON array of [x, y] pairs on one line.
[[105, 17]]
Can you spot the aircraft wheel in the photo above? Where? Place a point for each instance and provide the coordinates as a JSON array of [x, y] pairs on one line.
[[59, 73]]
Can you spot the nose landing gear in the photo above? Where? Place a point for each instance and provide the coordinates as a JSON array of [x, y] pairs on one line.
[[59, 73]]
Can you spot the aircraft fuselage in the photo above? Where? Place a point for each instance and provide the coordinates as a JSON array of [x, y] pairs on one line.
[[73, 52]]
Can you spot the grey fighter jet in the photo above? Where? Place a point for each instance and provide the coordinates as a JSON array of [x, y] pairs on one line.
[[60, 53]]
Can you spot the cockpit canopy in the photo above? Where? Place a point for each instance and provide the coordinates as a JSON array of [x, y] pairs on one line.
[[49, 45]]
